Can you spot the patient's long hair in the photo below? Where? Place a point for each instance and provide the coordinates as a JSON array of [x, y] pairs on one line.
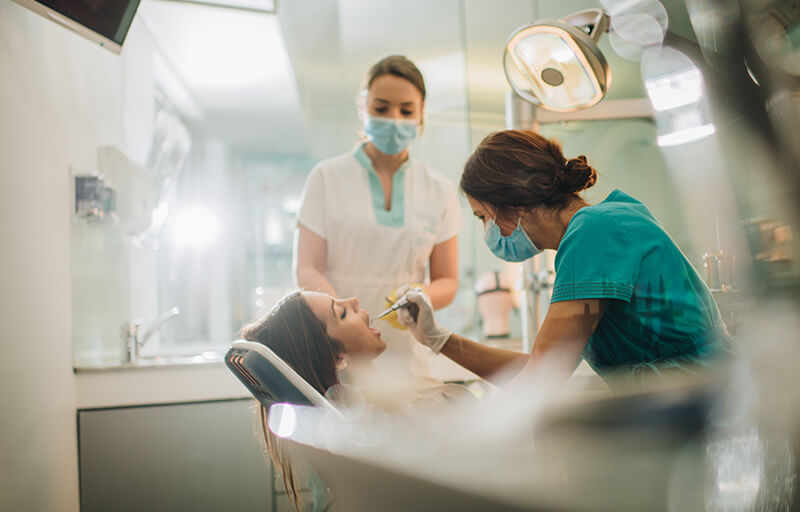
[[296, 335]]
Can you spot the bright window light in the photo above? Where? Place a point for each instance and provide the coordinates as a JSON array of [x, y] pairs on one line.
[[686, 135], [674, 90], [194, 227], [291, 205], [159, 215], [273, 228]]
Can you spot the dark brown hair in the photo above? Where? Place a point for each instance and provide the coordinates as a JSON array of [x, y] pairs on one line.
[[397, 65], [296, 335], [522, 169]]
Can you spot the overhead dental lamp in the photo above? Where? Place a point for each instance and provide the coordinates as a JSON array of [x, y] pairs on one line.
[[556, 64]]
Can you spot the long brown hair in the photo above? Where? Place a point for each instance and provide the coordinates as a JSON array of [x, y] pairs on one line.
[[296, 335], [522, 169]]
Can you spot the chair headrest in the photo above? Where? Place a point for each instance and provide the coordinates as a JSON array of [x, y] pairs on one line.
[[269, 378]]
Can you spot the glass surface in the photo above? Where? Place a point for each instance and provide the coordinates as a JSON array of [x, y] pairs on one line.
[[553, 70]]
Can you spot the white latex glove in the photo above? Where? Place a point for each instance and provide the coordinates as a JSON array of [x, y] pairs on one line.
[[398, 294], [424, 328]]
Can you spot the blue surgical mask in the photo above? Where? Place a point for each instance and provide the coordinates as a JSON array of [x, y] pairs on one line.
[[389, 135], [514, 247]]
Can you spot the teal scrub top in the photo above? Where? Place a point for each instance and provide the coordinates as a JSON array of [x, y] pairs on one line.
[[660, 312]]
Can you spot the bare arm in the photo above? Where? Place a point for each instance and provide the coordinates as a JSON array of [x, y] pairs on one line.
[[310, 260], [564, 333], [490, 363], [444, 273]]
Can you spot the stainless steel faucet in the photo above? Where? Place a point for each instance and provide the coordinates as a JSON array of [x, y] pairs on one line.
[[133, 337]]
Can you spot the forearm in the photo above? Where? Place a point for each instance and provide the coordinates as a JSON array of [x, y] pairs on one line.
[[494, 364], [562, 337], [443, 273], [311, 278], [442, 291]]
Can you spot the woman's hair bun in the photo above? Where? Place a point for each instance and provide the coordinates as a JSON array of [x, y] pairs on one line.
[[578, 175]]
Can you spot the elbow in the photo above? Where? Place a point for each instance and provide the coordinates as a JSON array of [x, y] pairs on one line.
[[309, 277], [301, 277], [297, 272], [448, 291], [451, 295]]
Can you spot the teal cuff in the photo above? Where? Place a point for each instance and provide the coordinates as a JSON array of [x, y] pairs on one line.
[[576, 291]]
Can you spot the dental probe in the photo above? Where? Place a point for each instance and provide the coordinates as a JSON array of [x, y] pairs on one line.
[[403, 302]]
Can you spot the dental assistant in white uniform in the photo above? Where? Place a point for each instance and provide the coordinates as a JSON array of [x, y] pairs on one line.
[[375, 219]]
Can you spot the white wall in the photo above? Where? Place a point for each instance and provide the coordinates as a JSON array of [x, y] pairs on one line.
[[60, 98]]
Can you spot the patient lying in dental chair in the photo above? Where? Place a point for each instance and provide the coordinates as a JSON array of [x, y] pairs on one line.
[[330, 344]]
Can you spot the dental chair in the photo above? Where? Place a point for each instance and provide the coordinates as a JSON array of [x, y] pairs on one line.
[[269, 379]]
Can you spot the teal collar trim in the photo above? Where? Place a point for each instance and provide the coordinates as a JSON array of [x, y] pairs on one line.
[[395, 217]]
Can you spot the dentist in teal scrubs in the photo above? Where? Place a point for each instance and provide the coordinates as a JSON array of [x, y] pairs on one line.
[[625, 298]]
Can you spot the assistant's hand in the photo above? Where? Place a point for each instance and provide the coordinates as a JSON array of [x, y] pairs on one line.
[[424, 328]]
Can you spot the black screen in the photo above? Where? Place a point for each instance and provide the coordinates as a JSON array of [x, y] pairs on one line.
[[109, 18]]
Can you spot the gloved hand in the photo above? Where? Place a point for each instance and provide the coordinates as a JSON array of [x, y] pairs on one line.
[[394, 297], [424, 326]]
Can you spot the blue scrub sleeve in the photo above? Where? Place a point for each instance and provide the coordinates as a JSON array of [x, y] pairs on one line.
[[596, 259], [312, 203]]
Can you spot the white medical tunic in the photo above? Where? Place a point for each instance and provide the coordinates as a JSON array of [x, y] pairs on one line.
[[372, 251]]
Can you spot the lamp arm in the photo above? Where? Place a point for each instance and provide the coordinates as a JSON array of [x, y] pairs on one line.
[[596, 20]]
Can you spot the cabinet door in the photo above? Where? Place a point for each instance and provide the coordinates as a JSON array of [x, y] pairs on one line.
[[198, 456]]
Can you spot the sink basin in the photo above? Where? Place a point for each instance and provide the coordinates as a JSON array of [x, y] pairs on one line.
[[154, 361], [177, 359]]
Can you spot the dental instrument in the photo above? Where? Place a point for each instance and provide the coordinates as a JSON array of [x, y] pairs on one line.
[[401, 303]]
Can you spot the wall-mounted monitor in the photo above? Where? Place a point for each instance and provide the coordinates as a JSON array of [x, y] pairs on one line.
[[106, 22]]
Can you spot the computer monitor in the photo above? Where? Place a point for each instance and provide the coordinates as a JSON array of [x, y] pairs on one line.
[[106, 22]]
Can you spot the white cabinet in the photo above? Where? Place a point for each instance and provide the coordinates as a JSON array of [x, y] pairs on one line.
[[204, 456]]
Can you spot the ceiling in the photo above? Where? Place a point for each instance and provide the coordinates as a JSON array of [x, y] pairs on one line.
[[287, 82]]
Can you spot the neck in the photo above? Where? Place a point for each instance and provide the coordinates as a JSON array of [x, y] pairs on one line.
[[382, 162], [549, 227], [565, 215]]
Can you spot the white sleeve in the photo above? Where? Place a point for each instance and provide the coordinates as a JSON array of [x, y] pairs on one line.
[[450, 224], [312, 203]]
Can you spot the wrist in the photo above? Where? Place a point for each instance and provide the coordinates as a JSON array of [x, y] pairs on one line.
[[439, 340]]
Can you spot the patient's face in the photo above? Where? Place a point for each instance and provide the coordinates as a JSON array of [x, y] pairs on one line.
[[346, 322]]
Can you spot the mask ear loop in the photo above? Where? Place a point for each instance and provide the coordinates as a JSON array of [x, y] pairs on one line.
[[519, 226], [494, 220], [488, 226]]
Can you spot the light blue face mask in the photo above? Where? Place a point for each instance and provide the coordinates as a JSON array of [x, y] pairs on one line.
[[390, 136], [514, 247]]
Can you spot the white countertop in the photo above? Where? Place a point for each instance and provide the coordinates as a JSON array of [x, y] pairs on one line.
[[157, 385]]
